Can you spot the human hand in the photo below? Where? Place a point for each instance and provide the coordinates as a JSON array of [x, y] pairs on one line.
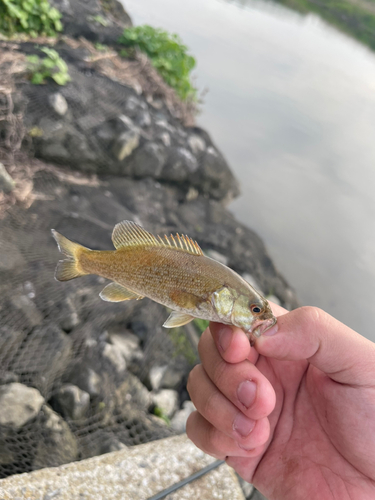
[[295, 415]]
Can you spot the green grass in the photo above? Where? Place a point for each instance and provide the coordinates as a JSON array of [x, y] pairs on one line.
[[167, 53]]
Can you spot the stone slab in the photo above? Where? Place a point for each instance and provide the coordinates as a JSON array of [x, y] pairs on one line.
[[133, 474]]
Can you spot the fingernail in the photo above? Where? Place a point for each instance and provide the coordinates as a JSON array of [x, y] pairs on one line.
[[246, 392], [271, 331], [243, 425], [225, 337]]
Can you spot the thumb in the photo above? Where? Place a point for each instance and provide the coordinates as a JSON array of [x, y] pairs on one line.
[[311, 334]]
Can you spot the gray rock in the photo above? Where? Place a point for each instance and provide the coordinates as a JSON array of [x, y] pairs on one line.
[[71, 402], [111, 444], [127, 345], [11, 258], [43, 358], [125, 144], [167, 376], [7, 454], [10, 341], [113, 356], [156, 376], [180, 165], [148, 160], [58, 103], [274, 299], [252, 281], [58, 445], [197, 144], [7, 184], [167, 400], [86, 379], [25, 306], [217, 256], [132, 391], [18, 404], [179, 420], [7, 377]]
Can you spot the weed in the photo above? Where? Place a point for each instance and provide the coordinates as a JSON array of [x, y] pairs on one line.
[[167, 54], [34, 17], [51, 66]]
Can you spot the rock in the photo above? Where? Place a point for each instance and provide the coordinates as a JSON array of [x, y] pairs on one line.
[[114, 357], [26, 307], [156, 376], [93, 20], [167, 400], [18, 404], [148, 160], [58, 103], [132, 391], [127, 345], [10, 340], [197, 144], [43, 358], [11, 258], [179, 420], [217, 256], [70, 401], [7, 184], [252, 281], [58, 445], [274, 299], [180, 165], [86, 379], [111, 444], [125, 144], [8, 377]]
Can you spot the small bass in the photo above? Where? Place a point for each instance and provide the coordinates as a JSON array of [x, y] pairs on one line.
[[172, 271]]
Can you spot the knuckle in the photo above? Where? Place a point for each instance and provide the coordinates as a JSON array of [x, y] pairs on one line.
[[193, 378], [220, 373], [211, 405]]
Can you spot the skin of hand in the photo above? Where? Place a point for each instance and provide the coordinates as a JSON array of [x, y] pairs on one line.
[[295, 415]]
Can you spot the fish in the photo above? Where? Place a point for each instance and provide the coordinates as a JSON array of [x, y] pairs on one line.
[[171, 270]]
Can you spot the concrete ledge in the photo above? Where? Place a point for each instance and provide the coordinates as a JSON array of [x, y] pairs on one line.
[[132, 474]]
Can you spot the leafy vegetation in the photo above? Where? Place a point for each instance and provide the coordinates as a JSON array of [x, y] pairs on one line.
[[182, 345], [34, 17], [167, 54], [51, 66], [353, 17], [200, 324]]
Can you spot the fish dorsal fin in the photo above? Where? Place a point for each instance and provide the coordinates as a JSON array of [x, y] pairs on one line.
[[128, 233]]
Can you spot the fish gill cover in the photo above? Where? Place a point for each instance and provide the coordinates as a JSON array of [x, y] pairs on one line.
[[79, 376]]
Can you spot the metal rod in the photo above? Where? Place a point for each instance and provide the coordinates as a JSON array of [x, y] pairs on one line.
[[193, 477]]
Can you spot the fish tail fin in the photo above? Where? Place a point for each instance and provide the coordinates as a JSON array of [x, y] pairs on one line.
[[70, 267]]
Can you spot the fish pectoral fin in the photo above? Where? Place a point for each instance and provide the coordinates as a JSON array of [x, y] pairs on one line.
[[117, 293], [177, 319]]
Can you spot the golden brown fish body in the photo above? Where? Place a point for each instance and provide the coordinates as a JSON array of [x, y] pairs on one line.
[[171, 271]]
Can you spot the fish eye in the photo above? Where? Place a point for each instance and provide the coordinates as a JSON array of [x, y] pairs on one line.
[[255, 309]]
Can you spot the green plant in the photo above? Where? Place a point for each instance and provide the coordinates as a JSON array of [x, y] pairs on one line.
[[159, 412], [200, 324], [167, 54], [51, 66], [34, 17]]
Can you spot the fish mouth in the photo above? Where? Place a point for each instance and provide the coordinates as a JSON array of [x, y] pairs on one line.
[[259, 327]]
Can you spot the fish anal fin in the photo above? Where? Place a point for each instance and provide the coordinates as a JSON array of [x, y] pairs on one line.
[[118, 293], [128, 234], [176, 319]]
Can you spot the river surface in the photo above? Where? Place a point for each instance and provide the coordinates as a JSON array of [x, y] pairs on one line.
[[291, 104]]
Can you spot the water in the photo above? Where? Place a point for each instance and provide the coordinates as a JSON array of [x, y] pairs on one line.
[[291, 104]]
